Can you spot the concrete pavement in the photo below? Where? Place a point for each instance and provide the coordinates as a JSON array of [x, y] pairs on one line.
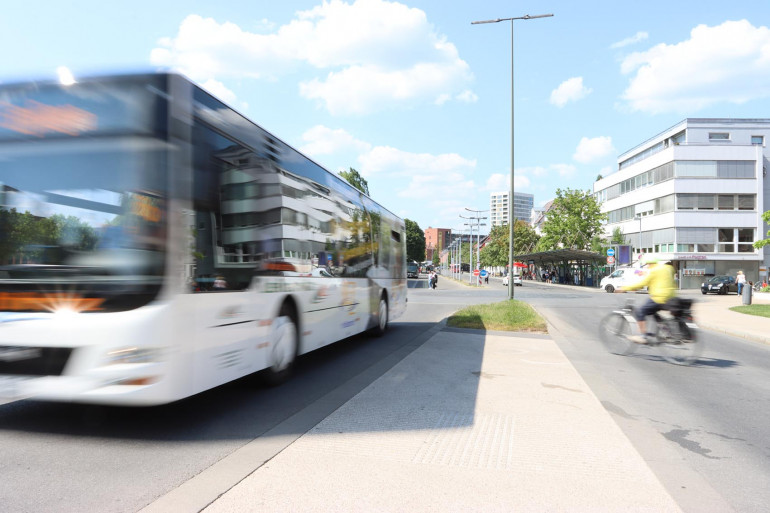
[[471, 421]]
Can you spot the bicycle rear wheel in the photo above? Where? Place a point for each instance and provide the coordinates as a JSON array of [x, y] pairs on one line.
[[683, 348], [614, 330]]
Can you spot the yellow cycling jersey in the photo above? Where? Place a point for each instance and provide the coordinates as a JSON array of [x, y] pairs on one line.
[[659, 282]]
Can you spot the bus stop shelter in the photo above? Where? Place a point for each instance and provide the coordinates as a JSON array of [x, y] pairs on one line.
[[570, 266]]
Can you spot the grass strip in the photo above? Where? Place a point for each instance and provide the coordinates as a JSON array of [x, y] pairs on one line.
[[760, 310], [509, 315]]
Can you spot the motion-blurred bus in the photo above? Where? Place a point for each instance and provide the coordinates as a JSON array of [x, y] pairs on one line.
[[154, 243]]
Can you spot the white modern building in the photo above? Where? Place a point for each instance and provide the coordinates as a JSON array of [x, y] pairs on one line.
[[694, 194], [498, 207]]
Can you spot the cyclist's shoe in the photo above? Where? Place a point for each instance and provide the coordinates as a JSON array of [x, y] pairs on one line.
[[639, 339]]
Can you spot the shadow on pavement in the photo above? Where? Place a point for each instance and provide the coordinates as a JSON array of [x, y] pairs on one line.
[[246, 409]]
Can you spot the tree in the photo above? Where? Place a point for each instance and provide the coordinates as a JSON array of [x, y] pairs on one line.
[[495, 252], [617, 236], [764, 242], [525, 238], [573, 221], [356, 180], [415, 241]]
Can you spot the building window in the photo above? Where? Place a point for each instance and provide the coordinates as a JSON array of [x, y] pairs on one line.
[[735, 169], [726, 240], [758, 139], [695, 169], [689, 201], [745, 202], [686, 201], [706, 202], [719, 136], [726, 202], [664, 204], [685, 248], [745, 240]]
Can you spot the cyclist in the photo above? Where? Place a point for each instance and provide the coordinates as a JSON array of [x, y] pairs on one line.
[[661, 287]]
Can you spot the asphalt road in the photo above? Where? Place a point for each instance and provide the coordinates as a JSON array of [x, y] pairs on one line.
[[704, 429], [64, 457]]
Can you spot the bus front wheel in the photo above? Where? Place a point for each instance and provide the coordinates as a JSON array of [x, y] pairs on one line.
[[284, 348]]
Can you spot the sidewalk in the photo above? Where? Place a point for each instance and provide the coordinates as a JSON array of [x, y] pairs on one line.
[[713, 313], [472, 421]]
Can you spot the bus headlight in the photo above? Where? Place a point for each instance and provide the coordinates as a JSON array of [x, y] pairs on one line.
[[133, 355]]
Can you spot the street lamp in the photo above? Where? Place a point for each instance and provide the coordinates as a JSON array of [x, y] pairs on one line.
[[510, 199], [479, 224]]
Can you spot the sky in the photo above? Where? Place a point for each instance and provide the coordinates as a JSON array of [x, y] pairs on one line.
[[415, 97]]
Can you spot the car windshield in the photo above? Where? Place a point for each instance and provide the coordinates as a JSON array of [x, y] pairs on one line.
[[718, 279]]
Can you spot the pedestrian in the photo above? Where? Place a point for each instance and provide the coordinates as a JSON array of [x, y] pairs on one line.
[[741, 280], [435, 280]]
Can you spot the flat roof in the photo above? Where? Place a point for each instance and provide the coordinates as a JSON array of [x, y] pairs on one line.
[[563, 255]]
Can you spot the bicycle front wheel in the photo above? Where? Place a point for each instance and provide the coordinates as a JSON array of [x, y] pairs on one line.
[[614, 331], [684, 349]]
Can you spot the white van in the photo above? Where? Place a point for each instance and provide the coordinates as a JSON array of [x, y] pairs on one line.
[[622, 276]]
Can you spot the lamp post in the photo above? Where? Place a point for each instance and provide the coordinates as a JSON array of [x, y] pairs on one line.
[[639, 217], [478, 219], [510, 199]]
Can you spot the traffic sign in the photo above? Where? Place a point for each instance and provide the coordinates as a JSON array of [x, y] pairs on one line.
[[610, 260], [475, 272], [484, 273], [611, 252]]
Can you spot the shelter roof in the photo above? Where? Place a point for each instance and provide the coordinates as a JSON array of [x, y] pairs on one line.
[[563, 255]]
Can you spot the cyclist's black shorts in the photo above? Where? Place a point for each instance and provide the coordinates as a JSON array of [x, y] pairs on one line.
[[648, 308]]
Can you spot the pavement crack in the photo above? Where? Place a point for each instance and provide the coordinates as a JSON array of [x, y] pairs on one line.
[[487, 375], [679, 436], [548, 385]]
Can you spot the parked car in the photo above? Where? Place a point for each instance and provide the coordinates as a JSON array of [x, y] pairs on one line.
[[622, 276], [719, 285], [516, 280]]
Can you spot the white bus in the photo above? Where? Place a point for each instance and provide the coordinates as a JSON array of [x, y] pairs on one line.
[[154, 244]]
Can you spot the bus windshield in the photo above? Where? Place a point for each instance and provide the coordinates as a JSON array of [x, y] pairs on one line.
[[80, 216]]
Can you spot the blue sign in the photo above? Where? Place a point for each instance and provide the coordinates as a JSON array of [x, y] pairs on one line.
[[484, 273], [611, 252]]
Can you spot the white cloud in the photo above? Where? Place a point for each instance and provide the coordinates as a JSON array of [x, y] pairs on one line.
[[321, 140], [498, 182], [468, 96], [567, 169], [639, 36], [385, 159], [363, 89], [569, 90], [374, 53], [590, 150], [521, 182], [726, 63], [219, 90]]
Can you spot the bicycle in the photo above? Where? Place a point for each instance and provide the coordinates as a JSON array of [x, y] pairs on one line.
[[675, 333]]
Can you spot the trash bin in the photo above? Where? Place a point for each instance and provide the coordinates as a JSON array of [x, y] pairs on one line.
[[747, 293]]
